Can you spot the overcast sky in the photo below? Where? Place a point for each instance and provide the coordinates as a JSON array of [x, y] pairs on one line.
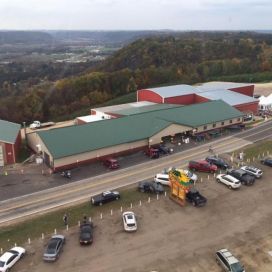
[[136, 14]]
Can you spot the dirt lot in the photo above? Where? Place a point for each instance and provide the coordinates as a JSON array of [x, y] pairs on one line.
[[263, 88], [174, 238]]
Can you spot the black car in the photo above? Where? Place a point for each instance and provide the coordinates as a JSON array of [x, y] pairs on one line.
[[219, 162], [194, 197], [105, 197], [150, 187], [243, 176], [267, 161], [86, 233]]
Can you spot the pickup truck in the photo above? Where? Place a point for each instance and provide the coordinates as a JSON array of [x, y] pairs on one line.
[[105, 197], [194, 197], [38, 124]]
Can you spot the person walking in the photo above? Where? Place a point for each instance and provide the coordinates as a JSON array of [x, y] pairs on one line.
[[65, 219]]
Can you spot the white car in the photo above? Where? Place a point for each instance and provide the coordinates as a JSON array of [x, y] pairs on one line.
[[254, 171], [230, 181], [164, 178], [129, 221], [9, 258]]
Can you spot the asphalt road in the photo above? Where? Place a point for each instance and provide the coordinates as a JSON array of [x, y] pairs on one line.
[[69, 194]]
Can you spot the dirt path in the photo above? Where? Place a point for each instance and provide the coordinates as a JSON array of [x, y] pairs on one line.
[[263, 88]]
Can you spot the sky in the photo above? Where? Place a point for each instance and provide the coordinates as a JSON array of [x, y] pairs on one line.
[[136, 14]]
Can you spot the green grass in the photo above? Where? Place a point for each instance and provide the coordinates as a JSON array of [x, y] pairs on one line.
[[256, 150], [33, 228]]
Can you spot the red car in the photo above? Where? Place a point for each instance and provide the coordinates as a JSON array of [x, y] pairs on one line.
[[202, 166], [111, 163], [153, 153]]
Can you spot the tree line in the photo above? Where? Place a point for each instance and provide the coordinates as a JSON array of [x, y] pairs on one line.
[[148, 62]]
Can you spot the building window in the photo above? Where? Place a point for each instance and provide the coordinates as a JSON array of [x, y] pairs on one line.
[[222, 123], [230, 121], [214, 125], [205, 127], [238, 119]]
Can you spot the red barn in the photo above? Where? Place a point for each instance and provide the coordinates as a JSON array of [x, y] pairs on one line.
[[238, 95], [10, 141]]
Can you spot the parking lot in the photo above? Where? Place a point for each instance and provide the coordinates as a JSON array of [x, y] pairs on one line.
[[174, 238]]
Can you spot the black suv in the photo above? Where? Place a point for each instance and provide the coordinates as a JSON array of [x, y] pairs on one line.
[[219, 162], [105, 197], [194, 197], [150, 187], [243, 176]]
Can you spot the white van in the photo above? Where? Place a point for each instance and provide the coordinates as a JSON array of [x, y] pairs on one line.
[[163, 178]]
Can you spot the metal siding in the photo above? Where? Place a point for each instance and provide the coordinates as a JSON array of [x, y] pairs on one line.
[[182, 100], [249, 107], [147, 95], [200, 99], [2, 161], [97, 154], [247, 90], [219, 125], [9, 154], [17, 146]]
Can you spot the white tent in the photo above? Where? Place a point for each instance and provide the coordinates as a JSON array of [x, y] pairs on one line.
[[265, 102]]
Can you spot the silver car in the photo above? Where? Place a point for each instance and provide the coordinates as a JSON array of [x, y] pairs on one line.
[[254, 171], [54, 248]]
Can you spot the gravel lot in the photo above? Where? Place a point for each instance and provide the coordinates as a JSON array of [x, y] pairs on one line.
[[174, 238]]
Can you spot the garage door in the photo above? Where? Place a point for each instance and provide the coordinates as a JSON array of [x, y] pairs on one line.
[[1, 156]]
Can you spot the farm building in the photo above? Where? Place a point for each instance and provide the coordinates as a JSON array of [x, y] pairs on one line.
[[10, 141], [238, 95], [67, 147]]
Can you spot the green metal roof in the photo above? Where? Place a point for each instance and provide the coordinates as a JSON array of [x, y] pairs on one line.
[[136, 110], [9, 131], [67, 141], [199, 114]]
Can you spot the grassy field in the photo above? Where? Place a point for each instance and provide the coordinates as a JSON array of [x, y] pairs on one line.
[[46, 223], [256, 150]]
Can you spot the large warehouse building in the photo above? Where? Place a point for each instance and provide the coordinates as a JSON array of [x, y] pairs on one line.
[[10, 141], [67, 147], [238, 95]]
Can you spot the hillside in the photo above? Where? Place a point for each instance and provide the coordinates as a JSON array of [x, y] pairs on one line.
[[186, 58], [25, 37]]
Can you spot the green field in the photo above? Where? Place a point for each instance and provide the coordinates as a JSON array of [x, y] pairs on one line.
[[261, 149]]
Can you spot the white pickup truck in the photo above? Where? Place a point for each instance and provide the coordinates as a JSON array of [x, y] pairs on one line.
[[38, 124]]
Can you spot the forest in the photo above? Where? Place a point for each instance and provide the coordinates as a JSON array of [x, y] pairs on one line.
[[176, 58]]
